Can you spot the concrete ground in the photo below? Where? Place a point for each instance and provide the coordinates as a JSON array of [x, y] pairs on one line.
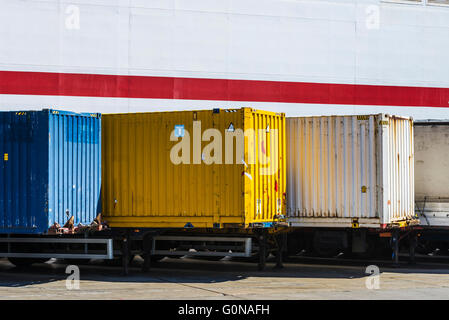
[[196, 279]]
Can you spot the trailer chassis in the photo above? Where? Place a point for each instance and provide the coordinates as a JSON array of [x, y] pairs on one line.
[[57, 247]]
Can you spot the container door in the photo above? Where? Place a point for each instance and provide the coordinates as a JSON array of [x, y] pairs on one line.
[[227, 170], [22, 185], [265, 181], [398, 169], [75, 168], [168, 169]]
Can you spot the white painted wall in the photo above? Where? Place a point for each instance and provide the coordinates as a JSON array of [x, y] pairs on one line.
[[288, 40]]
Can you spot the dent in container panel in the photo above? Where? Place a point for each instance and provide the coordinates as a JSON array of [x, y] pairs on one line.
[[50, 167]]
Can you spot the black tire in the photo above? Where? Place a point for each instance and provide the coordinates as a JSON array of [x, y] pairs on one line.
[[26, 262]]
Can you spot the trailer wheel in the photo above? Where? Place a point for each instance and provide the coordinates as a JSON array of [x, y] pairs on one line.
[[26, 262]]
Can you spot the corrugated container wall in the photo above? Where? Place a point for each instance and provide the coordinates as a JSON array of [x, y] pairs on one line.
[[50, 167], [432, 172], [345, 169], [159, 169]]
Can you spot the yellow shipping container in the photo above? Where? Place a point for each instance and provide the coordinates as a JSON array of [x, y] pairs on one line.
[[194, 169]]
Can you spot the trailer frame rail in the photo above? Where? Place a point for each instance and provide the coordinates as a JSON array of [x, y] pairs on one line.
[[107, 253], [246, 243]]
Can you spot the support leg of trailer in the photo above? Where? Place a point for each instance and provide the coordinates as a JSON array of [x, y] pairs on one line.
[[413, 241], [280, 242], [147, 245], [395, 247], [125, 255], [262, 250]]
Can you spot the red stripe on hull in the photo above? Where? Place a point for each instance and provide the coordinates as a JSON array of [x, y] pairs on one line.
[[96, 85]]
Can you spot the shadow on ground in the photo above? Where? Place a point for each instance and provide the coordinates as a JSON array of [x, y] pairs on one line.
[[189, 270]]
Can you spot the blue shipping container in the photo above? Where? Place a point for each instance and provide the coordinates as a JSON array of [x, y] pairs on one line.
[[50, 165]]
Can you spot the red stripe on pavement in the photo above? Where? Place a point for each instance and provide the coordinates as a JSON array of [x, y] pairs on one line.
[[97, 85]]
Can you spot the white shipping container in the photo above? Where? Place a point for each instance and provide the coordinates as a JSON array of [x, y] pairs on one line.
[[432, 172], [350, 171]]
